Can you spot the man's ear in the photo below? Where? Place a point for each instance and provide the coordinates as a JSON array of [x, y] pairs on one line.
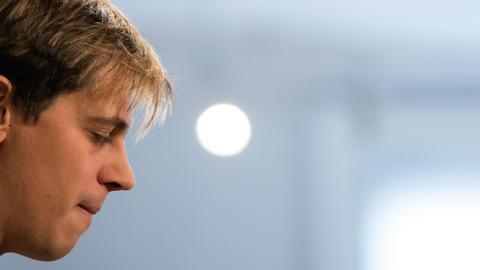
[[6, 89]]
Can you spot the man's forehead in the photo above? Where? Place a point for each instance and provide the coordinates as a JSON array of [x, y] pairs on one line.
[[105, 105], [112, 85]]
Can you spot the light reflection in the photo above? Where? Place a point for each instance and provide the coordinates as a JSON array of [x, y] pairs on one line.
[[223, 130]]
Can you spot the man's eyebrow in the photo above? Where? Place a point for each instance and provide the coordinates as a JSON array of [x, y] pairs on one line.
[[117, 122]]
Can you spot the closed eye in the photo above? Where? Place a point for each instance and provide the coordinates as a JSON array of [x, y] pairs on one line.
[[100, 139]]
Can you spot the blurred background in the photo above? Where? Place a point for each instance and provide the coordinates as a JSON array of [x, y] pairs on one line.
[[364, 147]]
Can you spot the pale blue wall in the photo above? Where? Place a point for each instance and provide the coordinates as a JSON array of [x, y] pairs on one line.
[[340, 96]]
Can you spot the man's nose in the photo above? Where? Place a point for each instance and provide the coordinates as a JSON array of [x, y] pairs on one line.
[[116, 174]]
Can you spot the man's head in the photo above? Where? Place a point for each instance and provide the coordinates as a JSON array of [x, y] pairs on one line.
[[71, 74]]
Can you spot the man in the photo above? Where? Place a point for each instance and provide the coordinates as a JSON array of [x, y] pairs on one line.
[[71, 74]]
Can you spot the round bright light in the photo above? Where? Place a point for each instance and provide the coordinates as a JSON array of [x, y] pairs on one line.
[[223, 130]]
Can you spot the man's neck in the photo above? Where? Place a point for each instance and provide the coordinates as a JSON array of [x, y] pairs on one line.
[[3, 248], [2, 232]]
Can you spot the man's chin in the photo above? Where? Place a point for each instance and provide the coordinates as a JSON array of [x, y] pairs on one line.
[[48, 252], [47, 255]]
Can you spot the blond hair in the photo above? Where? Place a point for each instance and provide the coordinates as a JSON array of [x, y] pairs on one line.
[[53, 47]]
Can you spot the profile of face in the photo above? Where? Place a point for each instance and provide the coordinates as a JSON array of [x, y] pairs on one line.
[[55, 174]]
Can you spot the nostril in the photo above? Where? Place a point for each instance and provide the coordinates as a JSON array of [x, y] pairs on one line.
[[113, 186]]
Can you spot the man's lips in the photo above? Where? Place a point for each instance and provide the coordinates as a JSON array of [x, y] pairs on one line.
[[92, 209]]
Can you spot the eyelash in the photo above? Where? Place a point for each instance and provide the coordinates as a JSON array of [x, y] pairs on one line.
[[100, 139]]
